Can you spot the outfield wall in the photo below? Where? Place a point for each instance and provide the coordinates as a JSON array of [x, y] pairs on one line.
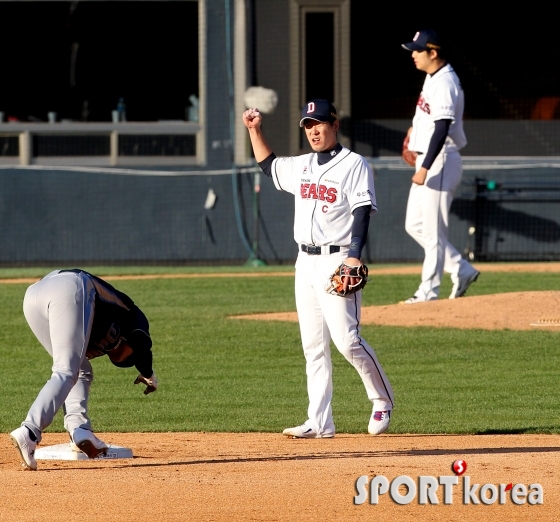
[[74, 216]]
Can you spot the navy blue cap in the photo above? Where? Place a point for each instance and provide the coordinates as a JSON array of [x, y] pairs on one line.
[[318, 110], [424, 41]]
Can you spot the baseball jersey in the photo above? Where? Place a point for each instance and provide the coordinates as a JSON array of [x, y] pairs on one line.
[[116, 319], [442, 98], [325, 195]]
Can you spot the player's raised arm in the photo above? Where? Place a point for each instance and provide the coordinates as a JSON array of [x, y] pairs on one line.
[[252, 119]]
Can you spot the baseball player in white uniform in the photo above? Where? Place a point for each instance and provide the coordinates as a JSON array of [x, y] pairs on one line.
[[77, 316], [334, 198], [436, 136]]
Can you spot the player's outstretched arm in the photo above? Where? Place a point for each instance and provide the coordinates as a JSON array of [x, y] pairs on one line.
[[252, 119]]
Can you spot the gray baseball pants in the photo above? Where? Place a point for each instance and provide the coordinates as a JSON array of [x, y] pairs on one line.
[[59, 309]]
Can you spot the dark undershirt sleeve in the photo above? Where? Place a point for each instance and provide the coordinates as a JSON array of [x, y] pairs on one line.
[[143, 357], [436, 142], [141, 342], [266, 164], [360, 228]]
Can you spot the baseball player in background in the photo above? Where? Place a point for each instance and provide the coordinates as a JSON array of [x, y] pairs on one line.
[[77, 316], [334, 198], [432, 146]]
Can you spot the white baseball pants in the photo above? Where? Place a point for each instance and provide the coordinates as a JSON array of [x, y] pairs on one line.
[[59, 309], [427, 222], [324, 316]]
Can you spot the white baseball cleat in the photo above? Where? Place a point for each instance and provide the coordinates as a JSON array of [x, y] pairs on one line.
[[26, 447], [415, 299], [379, 422], [411, 300], [305, 432], [85, 441], [461, 284]]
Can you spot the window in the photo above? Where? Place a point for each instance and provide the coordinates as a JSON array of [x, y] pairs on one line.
[[78, 59], [320, 59]]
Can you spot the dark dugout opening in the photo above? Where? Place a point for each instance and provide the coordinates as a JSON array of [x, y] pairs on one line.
[[79, 58]]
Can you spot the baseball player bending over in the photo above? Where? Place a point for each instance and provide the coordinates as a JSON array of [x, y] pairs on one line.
[[76, 317], [432, 147], [334, 198]]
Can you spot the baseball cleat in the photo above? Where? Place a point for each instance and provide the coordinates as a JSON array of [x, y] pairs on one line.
[[305, 432], [413, 300], [85, 441], [26, 447], [461, 285], [379, 422]]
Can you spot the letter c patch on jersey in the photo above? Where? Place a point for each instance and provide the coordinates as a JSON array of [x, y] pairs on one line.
[[324, 209]]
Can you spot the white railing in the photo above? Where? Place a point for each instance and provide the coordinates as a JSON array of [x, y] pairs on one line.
[[26, 131]]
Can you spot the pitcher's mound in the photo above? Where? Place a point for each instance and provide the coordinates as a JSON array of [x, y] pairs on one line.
[[513, 311]]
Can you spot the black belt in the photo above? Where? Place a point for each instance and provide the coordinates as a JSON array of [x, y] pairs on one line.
[[316, 250]]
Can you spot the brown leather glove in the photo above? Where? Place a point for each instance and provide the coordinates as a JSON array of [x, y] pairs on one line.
[[408, 156], [335, 284]]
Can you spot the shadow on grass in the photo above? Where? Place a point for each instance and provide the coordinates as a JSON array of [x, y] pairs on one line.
[[541, 430]]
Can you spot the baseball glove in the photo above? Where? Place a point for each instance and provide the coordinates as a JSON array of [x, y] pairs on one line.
[[408, 156], [335, 285]]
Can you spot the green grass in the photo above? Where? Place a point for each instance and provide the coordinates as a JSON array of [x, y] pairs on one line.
[[221, 374], [6, 273]]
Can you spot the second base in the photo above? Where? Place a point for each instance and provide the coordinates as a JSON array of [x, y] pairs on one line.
[[65, 452]]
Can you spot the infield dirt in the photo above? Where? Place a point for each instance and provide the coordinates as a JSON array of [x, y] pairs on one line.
[[513, 311], [266, 477]]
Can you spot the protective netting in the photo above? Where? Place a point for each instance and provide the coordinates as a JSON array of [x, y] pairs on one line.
[[55, 215], [503, 210], [486, 138]]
